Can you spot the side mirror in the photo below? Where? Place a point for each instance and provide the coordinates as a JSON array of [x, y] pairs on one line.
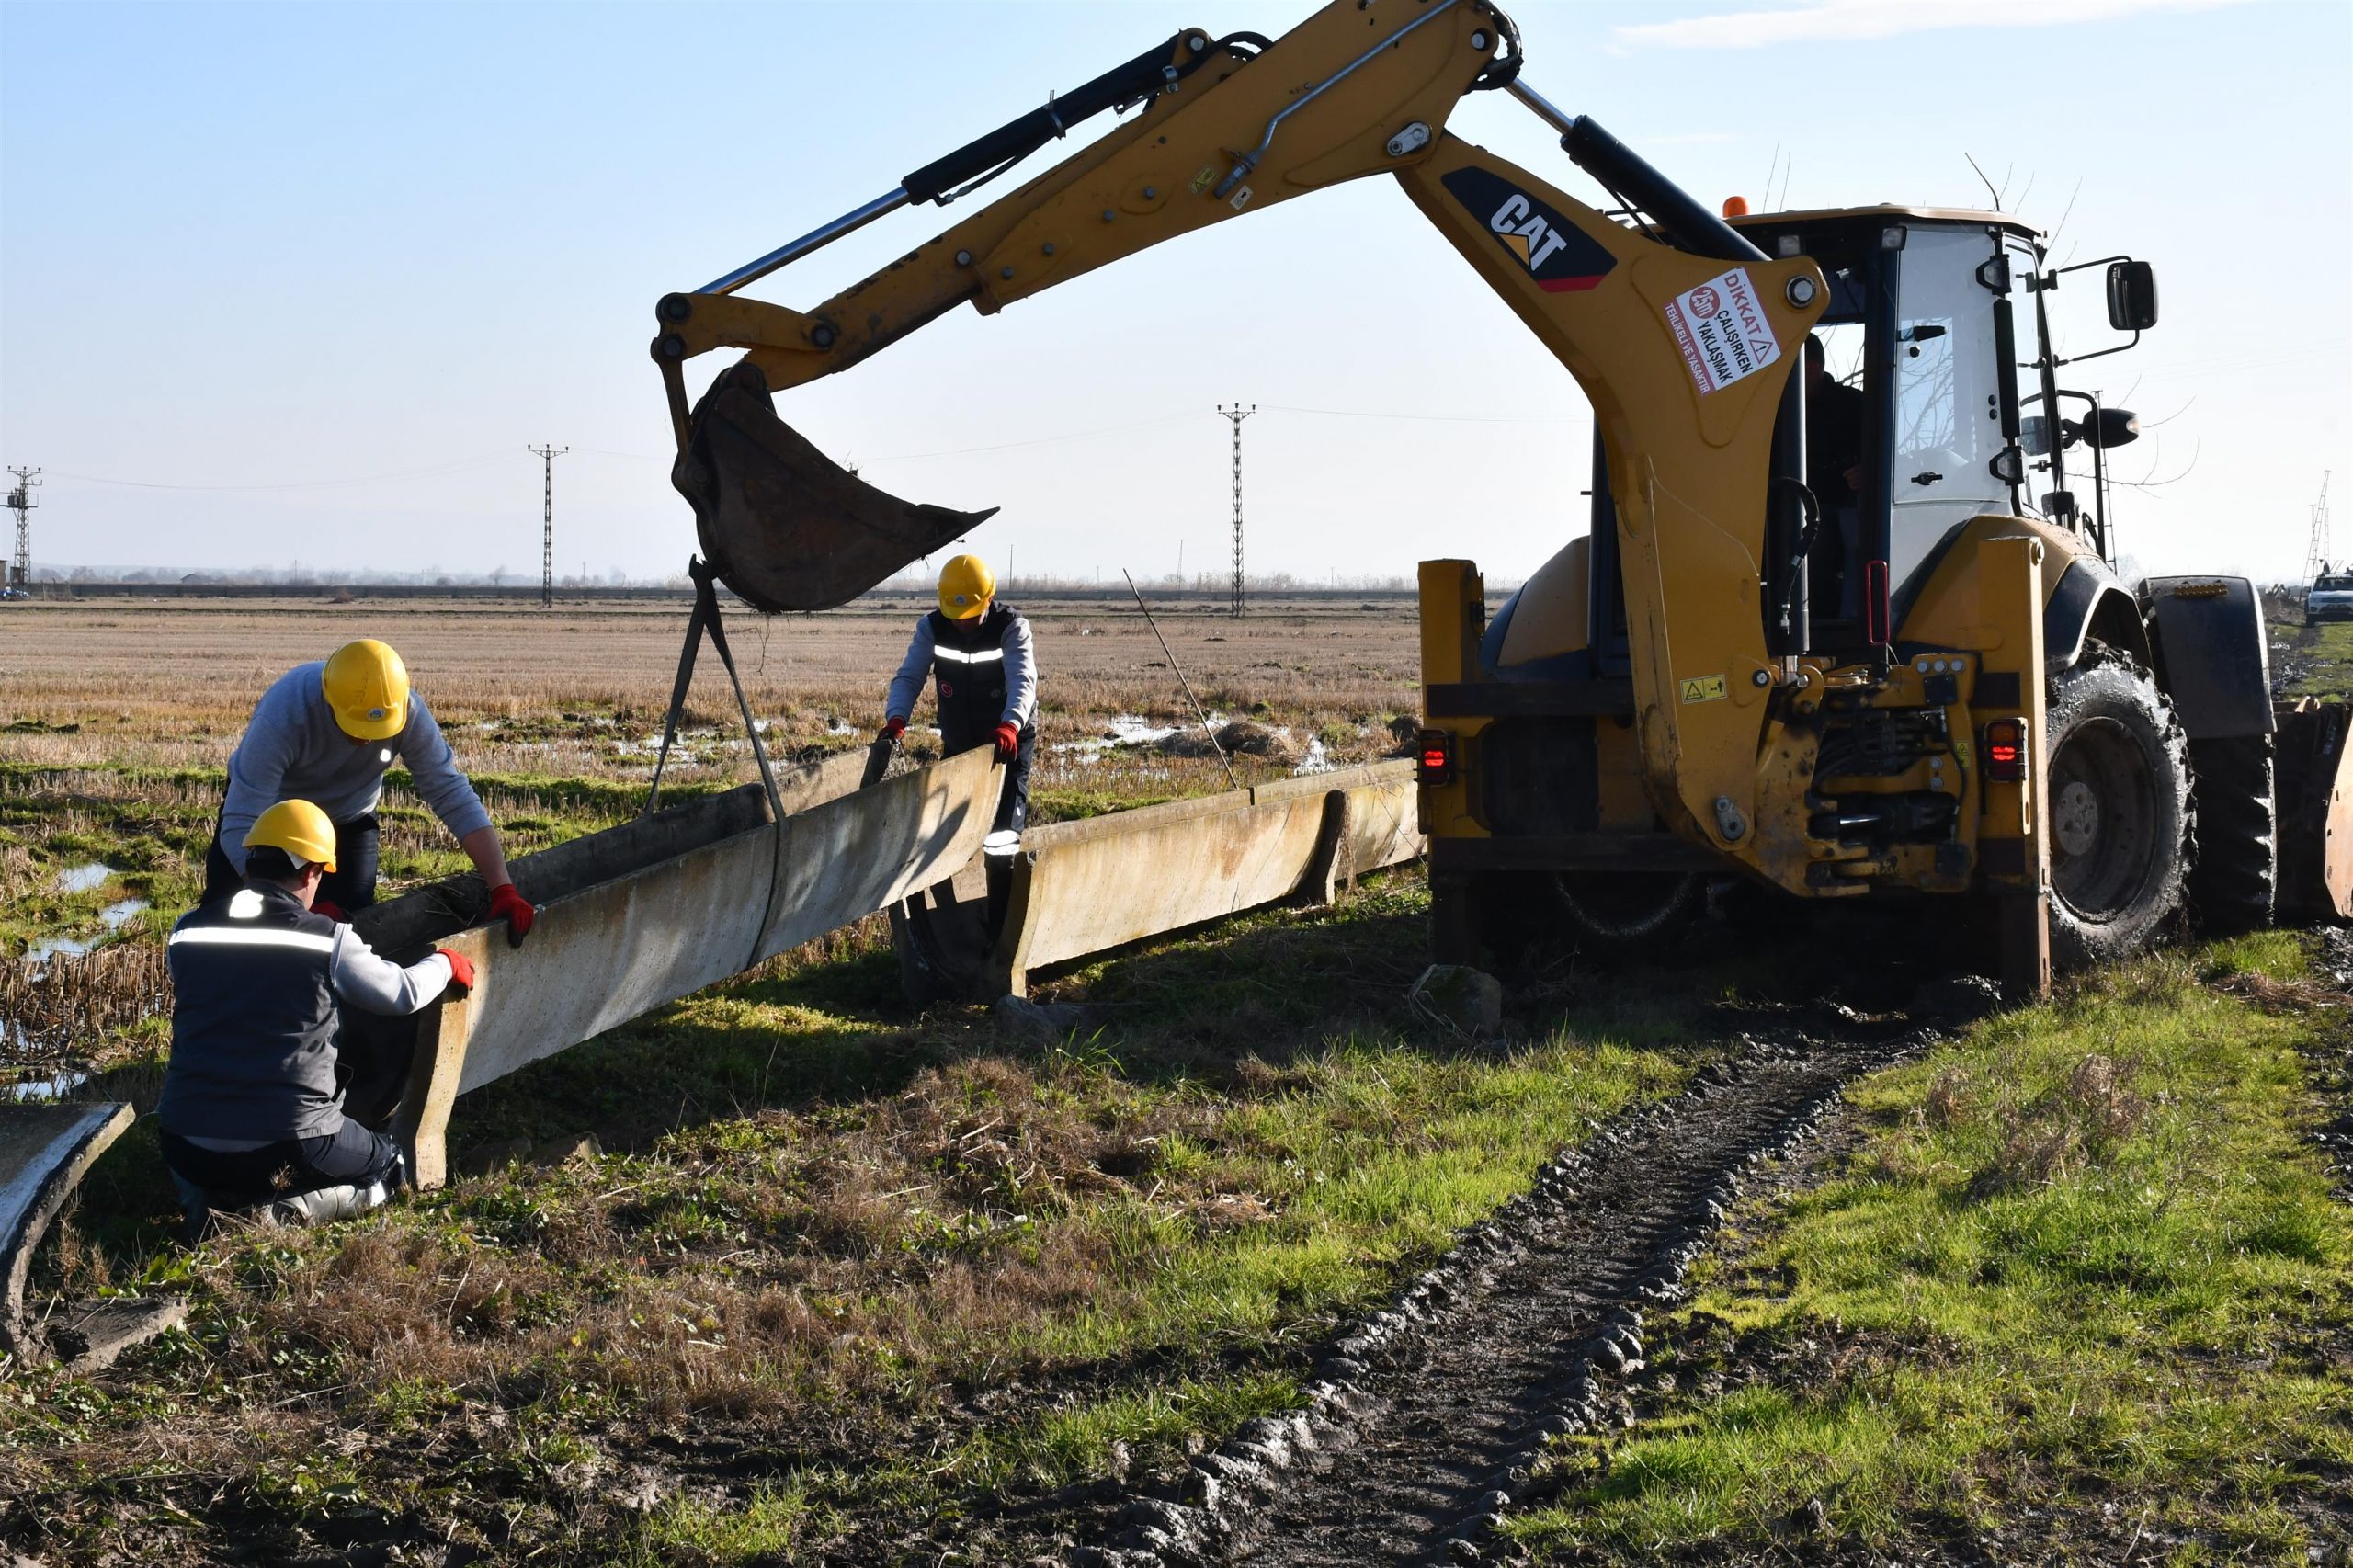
[[2034, 436], [2132, 296], [2116, 427]]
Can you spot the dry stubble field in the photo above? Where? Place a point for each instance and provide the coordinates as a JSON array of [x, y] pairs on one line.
[[563, 691]]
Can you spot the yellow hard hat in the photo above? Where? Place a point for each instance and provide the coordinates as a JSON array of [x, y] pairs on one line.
[[966, 586], [297, 827], [367, 686]]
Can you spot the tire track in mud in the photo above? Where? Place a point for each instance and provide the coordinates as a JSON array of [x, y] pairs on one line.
[[1423, 1422]]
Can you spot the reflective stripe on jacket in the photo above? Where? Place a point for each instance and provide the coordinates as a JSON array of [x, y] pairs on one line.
[[255, 980], [991, 660]]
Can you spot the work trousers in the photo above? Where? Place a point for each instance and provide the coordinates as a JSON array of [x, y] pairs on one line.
[[351, 885], [350, 1156]]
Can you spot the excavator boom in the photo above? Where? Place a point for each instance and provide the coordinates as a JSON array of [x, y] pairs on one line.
[[1226, 126], [1681, 333]]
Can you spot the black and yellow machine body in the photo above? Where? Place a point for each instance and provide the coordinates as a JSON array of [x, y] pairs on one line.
[[1885, 647], [1741, 669]]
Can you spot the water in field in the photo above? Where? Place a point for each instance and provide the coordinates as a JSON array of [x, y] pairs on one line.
[[84, 878], [43, 1087]]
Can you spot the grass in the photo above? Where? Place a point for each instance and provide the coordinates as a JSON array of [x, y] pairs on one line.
[[823, 1273], [782, 1273], [892, 1276], [2317, 660], [2083, 1263]]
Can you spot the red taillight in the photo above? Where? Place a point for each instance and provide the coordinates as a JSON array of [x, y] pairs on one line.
[[1437, 749], [1875, 603], [2005, 750]]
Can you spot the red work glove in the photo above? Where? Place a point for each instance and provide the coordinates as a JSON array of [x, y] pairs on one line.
[[506, 902], [893, 727], [1008, 742], [462, 970], [331, 909]]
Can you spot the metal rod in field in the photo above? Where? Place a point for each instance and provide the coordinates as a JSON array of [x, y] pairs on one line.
[[1187, 685]]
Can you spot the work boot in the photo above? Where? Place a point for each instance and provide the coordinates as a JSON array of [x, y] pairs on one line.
[[196, 1209], [323, 1204]]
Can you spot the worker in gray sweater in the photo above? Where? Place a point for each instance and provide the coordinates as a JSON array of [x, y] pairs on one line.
[[325, 733], [251, 1113]]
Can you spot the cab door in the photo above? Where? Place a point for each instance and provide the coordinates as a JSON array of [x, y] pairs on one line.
[[1950, 383]]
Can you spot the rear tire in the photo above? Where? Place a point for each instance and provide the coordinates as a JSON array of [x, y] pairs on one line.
[[2233, 883], [2118, 809], [1620, 909]]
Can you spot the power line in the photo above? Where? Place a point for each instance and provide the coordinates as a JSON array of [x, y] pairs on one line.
[[21, 501], [303, 484], [1237, 414], [547, 456]]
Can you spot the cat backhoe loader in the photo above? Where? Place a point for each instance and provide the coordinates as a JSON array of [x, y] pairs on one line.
[[1903, 667]]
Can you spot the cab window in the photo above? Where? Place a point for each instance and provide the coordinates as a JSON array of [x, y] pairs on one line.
[[1948, 399]]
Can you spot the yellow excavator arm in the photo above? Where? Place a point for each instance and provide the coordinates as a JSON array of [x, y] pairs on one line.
[[1680, 333]]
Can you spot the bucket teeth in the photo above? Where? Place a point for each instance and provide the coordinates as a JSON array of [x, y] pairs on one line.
[[785, 525]]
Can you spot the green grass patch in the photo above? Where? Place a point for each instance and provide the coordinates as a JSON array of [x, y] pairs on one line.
[[914, 1270], [2082, 1256], [2326, 655]]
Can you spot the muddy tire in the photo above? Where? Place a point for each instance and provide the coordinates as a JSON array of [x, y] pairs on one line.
[[1627, 910], [2120, 810], [2234, 881]]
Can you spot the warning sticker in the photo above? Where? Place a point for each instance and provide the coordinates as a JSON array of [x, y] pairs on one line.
[[1704, 688], [1206, 178], [1723, 332]]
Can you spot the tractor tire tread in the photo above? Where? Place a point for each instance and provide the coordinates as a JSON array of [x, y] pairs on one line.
[[2234, 878], [2108, 682]]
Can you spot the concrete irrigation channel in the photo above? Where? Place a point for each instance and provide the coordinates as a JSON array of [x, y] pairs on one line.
[[1424, 1420], [640, 915]]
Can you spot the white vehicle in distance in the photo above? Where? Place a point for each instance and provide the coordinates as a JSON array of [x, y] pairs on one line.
[[2329, 599]]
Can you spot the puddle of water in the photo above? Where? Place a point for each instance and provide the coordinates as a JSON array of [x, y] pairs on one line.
[[1315, 761], [84, 878], [115, 915], [39, 1091], [56, 947], [1125, 730]]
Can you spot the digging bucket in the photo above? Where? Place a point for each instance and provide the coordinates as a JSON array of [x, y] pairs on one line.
[[787, 528]]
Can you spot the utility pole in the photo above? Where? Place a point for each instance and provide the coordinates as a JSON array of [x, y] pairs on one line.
[[1237, 414], [2316, 556], [547, 456], [21, 501]]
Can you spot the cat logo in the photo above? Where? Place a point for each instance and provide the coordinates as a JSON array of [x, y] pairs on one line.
[[1526, 231], [1561, 256]]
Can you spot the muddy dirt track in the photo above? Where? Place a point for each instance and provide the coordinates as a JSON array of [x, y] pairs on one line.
[[1426, 1419]]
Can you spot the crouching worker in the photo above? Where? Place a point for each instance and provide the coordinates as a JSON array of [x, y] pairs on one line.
[[250, 1116], [983, 662]]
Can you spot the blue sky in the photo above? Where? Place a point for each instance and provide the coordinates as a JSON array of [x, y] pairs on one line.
[[373, 251]]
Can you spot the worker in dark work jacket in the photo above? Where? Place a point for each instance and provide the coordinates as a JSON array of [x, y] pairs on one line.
[[250, 1109], [984, 665]]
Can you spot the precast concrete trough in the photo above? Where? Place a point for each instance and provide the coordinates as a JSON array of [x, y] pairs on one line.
[[45, 1150], [1081, 887], [1085, 887], [643, 915]]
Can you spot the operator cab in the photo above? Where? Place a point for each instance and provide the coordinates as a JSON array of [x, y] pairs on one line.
[[1930, 400]]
